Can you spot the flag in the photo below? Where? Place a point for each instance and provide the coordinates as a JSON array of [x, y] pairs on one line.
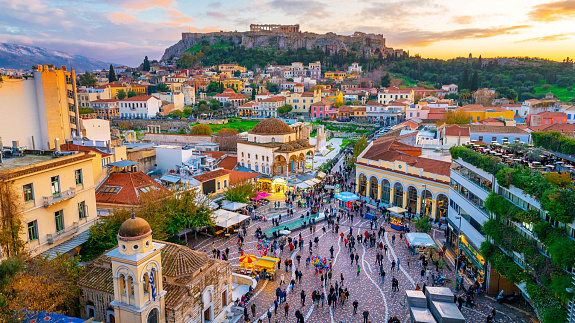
[[153, 285]]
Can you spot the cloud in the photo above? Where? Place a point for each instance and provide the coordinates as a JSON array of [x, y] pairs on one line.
[[216, 14], [139, 5], [119, 18], [401, 9], [553, 11], [549, 38], [302, 8], [463, 20], [176, 18]]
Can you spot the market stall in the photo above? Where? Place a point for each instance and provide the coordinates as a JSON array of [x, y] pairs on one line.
[[266, 267], [234, 206], [396, 214], [247, 263], [419, 240], [347, 198]]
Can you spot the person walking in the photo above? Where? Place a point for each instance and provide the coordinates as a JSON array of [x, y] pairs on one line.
[[382, 273], [269, 316], [398, 262], [286, 309], [282, 279], [302, 296], [408, 260], [365, 316], [276, 305], [355, 304], [392, 265], [358, 269], [253, 308], [356, 258], [351, 258]]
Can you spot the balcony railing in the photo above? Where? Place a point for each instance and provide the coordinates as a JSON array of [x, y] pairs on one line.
[[59, 197], [51, 238]]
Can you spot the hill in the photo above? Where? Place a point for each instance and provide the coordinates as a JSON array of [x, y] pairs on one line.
[[18, 56]]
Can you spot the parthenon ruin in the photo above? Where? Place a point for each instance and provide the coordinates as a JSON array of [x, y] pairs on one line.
[[275, 28]]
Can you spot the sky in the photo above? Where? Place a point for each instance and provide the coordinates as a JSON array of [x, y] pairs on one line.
[[124, 31]]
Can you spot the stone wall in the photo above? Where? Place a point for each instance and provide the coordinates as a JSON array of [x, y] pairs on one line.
[[143, 123], [177, 139]]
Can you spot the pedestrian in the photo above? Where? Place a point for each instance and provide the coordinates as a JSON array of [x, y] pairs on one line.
[[393, 239], [302, 295], [422, 273], [355, 304], [398, 262], [276, 305], [358, 269], [460, 301], [356, 258], [286, 309], [351, 258], [408, 260], [365, 316], [269, 316], [392, 265], [493, 312], [382, 273], [253, 307]]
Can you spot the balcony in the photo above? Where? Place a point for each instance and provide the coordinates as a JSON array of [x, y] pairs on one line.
[[59, 197], [71, 230]]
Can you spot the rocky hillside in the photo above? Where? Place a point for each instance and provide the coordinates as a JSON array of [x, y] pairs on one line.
[[17, 56], [364, 44]]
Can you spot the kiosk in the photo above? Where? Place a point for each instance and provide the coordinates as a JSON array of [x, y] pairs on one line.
[[396, 214]]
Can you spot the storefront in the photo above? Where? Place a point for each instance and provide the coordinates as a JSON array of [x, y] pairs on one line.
[[271, 185], [473, 259]]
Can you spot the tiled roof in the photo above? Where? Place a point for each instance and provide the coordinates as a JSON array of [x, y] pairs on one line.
[[72, 147], [215, 154], [131, 188], [105, 100], [563, 128], [174, 294], [212, 175], [374, 103], [228, 163], [98, 278], [551, 114], [179, 260], [274, 99], [322, 103], [237, 176], [455, 130], [495, 129]]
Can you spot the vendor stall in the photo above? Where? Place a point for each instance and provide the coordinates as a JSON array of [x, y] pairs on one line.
[[419, 240], [370, 216], [396, 214], [247, 263], [266, 267], [234, 206]]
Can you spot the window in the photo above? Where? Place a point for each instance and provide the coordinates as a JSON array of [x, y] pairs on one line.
[[493, 138], [477, 118], [32, 230], [546, 121], [55, 182], [480, 138], [28, 192], [225, 183], [82, 210], [59, 217], [78, 176]]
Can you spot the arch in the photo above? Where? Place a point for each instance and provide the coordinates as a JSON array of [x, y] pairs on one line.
[[442, 205], [280, 164], [153, 315], [373, 189], [426, 202], [398, 194], [362, 184], [385, 190], [292, 163], [411, 199]]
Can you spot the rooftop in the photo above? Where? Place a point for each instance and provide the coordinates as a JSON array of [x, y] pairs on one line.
[[126, 188], [31, 163]]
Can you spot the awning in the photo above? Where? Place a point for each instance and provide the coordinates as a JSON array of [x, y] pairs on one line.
[[419, 239], [310, 182], [234, 206], [266, 262], [123, 163], [315, 180], [329, 187], [347, 196], [397, 209], [321, 175], [170, 179], [65, 247], [302, 185]]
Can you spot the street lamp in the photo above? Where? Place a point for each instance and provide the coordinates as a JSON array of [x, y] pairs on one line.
[[457, 254], [424, 200]]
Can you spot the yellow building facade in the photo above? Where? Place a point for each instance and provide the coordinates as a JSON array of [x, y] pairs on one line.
[[236, 84], [56, 197], [477, 113], [337, 75]]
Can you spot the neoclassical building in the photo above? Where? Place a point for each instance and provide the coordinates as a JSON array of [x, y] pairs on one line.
[[394, 172], [146, 281], [274, 148]]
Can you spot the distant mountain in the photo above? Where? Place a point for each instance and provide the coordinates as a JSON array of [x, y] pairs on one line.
[[19, 56]]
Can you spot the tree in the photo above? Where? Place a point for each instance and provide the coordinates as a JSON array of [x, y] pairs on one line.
[[187, 112], [112, 75], [455, 117], [272, 87], [359, 146], [386, 80], [201, 129], [254, 88], [464, 82], [121, 95], [11, 221], [132, 94], [146, 64], [237, 73], [87, 79], [422, 224], [473, 86], [215, 104], [240, 192], [285, 109], [228, 139], [162, 87], [215, 87]]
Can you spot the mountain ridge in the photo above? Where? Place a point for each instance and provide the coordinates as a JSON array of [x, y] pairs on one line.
[[19, 56]]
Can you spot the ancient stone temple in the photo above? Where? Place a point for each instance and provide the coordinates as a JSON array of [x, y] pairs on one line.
[[275, 28]]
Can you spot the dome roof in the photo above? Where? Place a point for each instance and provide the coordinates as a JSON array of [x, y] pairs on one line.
[[271, 126], [134, 229]]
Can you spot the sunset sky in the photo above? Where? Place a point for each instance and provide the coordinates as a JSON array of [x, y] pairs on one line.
[[123, 31]]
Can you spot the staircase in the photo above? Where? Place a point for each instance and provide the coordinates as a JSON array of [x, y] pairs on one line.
[[234, 315]]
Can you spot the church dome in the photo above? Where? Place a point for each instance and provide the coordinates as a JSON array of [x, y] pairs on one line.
[[134, 229], [271, 126]]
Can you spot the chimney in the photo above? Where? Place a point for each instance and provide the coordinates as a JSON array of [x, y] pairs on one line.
[[57, 144]]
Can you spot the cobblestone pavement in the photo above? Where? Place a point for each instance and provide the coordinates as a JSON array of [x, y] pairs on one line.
[[373, 295]]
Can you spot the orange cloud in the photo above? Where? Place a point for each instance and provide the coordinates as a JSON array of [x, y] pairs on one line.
[[548, 38], [553, 11], [177, 18], [463, 20], [121, 18], [143, 5]]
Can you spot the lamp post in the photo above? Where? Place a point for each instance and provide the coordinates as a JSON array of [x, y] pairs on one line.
[[424, 200], [457, 254]]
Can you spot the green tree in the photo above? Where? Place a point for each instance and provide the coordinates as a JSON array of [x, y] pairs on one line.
[[215, 104], [272, 87], [254, 88], [132, 94], [386, 80], [422, 224], [240, 192], [201, 129], [473, 86], [464, 82], [215, 87], [162, 87], [359, 147], [285, 109], [87, 79], [121, 95], [146, 64], [237, 73], [187, 112], [112, 75]]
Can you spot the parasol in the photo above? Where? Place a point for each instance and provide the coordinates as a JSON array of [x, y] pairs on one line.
[[248, 259]]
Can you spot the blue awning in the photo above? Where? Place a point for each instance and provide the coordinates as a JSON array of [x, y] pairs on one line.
[[123, 163], [170, 178]]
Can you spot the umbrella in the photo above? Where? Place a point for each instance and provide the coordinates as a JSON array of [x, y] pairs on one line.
[[248, 259], [347, 196], [262, 195]]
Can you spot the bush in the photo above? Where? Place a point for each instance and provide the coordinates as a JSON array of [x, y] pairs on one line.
[[422, 224], [201, 129]]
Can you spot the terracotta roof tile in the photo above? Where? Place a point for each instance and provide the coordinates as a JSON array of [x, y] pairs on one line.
[[215, 154], [228, 163], [455, 130], [237, 176], [72, 147], [212, 175], [132, 186]]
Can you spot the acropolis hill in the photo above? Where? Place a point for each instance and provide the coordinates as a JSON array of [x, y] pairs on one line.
[[284, 37]]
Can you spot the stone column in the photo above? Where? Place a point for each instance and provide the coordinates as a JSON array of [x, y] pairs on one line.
[[378, 195], [404, 199], [418, 205], [367, 188], [391, 195], [357, 185], [433, 209]]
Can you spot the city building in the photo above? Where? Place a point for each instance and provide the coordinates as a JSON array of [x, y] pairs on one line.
[[348, 112], [36, 111], [269, 107], [274, 148], [229, 95], [139, 107], [546, 118], [453, 135], [451, 88], [354, 68], [106, 108], [490, 134], [177, 99], [477, 112], [55, 195], [144, 280], [337, 75], [391, 94], [325, 109], [394, 173]]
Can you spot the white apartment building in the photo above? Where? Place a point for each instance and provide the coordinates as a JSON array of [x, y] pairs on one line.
[[139, 107]]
